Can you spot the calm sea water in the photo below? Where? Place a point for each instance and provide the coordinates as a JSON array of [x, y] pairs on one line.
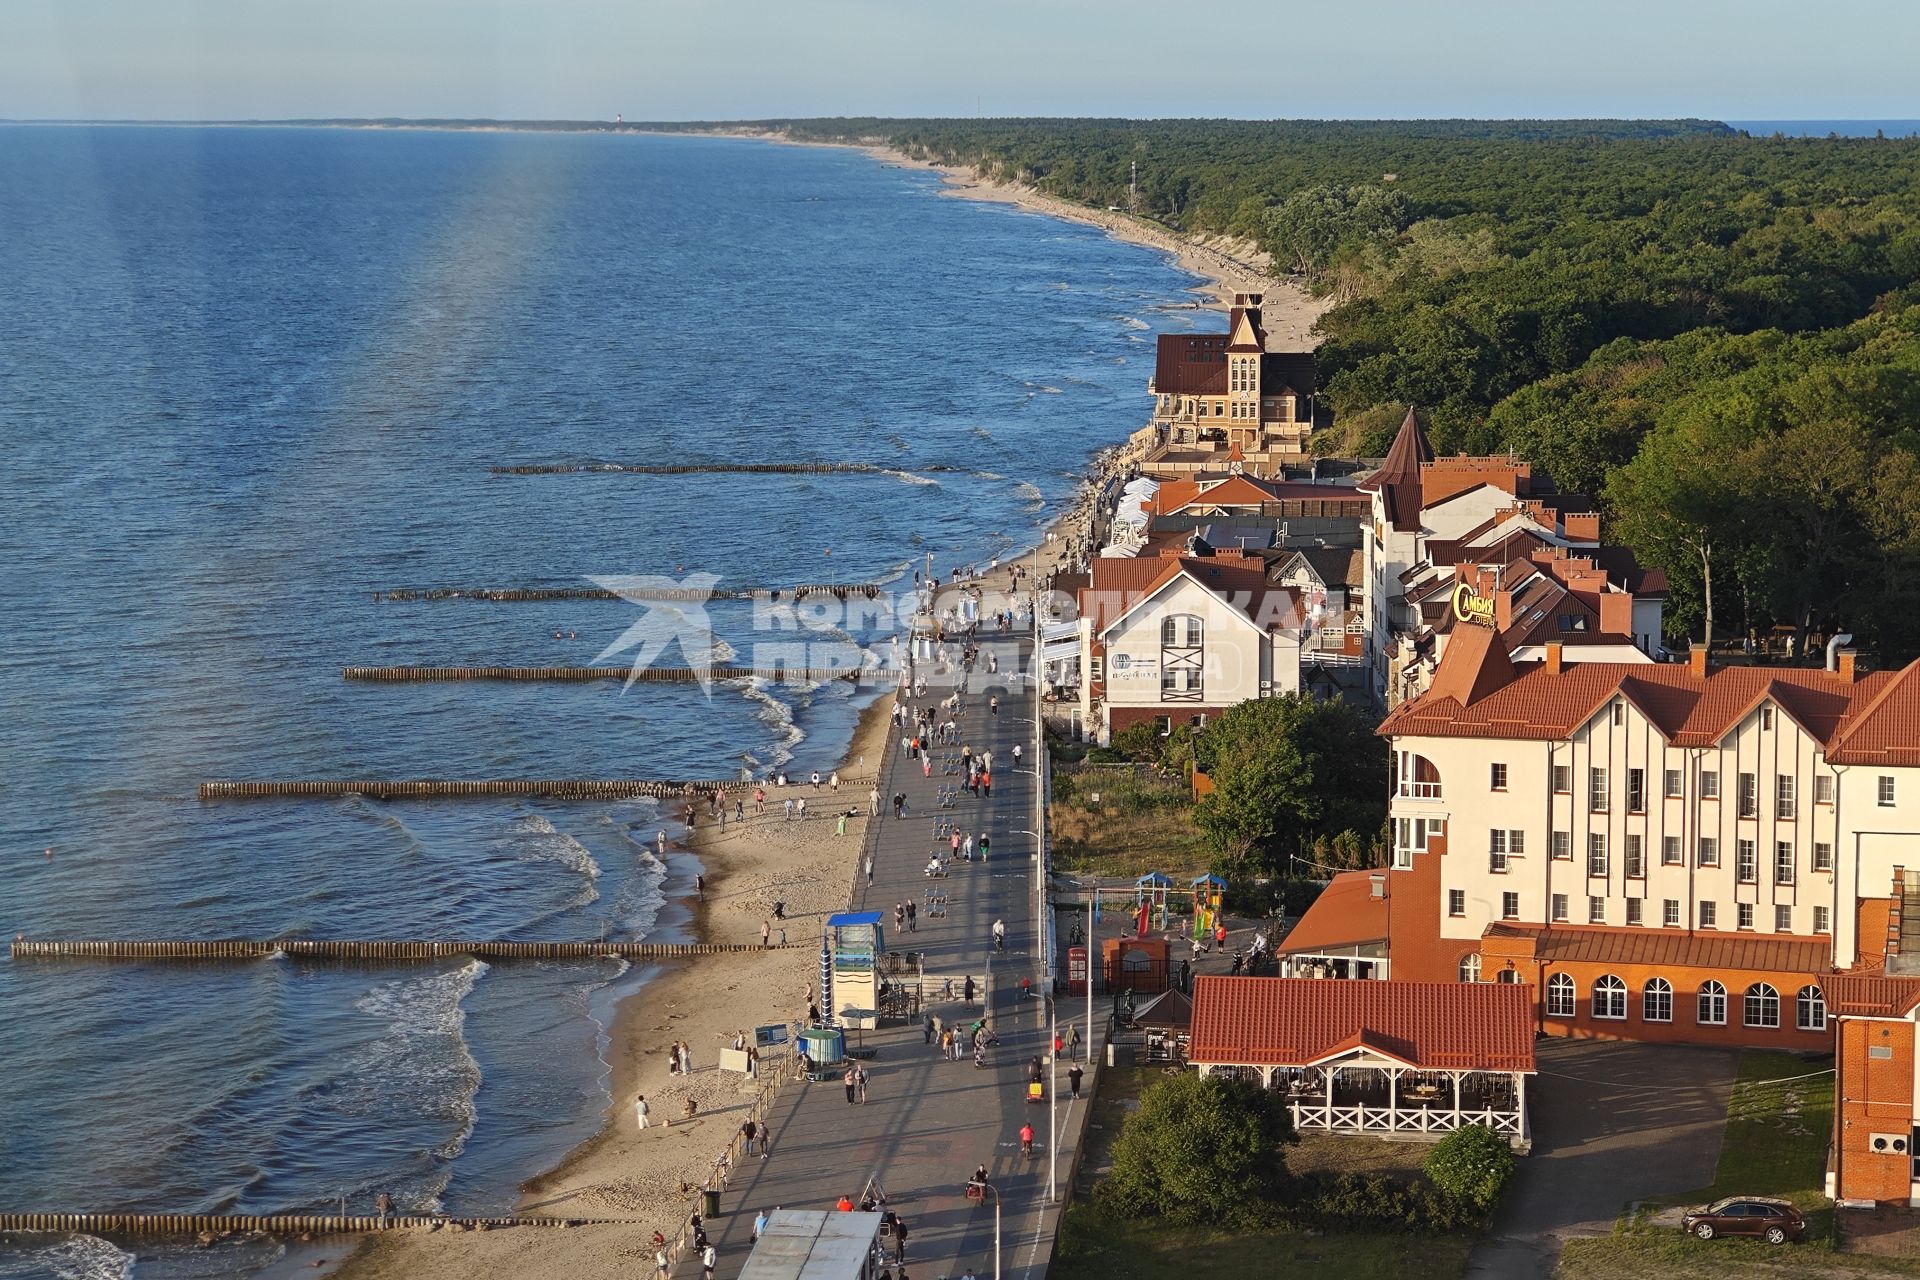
[[1822, 128], [252, 376]]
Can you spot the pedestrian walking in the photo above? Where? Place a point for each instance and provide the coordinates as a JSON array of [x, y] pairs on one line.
[[800, 808], [686, 1058], [984, 842], [748, 1132], [1073, 1078], [869, 870], [913, 917], [766, 934], [759, 1224], [928, 1027], [999, 935], [700, 887], [926, 766], [863, 1085], [706, 1262], [787, 805], [852, 1081], [1073, 1044], [1016, 755], [986, 784], [967, 999], [993, 704], [766, 1141], [660, 1263], [899, 917], [641, 1111], [383, 1205], [840, 827], [873, 802]]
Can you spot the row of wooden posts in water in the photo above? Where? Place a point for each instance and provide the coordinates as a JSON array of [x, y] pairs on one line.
[[350, 949], [690, 468], [646, 675], [217, 1225], [455, 789], [514, 595]]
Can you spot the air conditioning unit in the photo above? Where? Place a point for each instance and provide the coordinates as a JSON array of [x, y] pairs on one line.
[[1888, 1144]]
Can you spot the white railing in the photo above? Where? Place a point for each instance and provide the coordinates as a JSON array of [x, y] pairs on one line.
[[1365, 1119]]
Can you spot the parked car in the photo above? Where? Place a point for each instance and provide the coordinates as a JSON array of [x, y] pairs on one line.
[[1774, 1221]]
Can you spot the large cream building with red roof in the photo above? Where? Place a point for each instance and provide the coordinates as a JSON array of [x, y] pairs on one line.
[[1219, 392]]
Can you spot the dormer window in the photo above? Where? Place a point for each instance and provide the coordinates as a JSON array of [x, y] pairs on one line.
[[1766, 716]]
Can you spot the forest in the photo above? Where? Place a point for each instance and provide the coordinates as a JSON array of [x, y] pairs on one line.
[[1715, 335]]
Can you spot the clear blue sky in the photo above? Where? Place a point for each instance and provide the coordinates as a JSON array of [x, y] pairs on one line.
[[711, 59]]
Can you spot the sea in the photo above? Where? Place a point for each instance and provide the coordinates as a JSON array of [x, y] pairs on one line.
[[252, 379], [1829, 128]]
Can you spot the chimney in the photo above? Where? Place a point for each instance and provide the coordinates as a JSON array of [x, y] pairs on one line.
[[1848, 673], [1697, 660], [1556, 658], [1377, 884]]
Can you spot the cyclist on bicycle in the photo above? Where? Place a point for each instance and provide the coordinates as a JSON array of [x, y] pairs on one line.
[[1026, 1139]]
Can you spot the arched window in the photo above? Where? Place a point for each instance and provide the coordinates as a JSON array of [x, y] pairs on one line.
[[1656, 1000], [1181, 630], [1810, 1009], [1560, 996], [1761, 1008], [1609, 997], [1470, 968], [1511, 977], [1713, 1004]]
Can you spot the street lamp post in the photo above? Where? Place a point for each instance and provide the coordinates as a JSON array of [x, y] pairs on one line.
[[1053, 1095], [985, 1187]]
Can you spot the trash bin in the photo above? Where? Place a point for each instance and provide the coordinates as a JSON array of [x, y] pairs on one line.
[[709, 1204]]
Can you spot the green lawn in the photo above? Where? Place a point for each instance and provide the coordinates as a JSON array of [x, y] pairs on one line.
[[1092, 1247], [1778, 1124]]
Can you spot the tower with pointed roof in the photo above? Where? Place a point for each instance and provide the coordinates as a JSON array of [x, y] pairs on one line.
[[1215, 392]]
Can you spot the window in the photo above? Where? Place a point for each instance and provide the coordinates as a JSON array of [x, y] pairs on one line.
[[1560, 996], [1609, 997], [1414, 777], [1783, 795], [1497, 851], [1636, 791], [1509, 906], [1766, 716], [1886, 791], [1707, 914], [1182, 631], [1783, 862], [1456, 902], [1810, 1009], [1619, 711], [1709, 852], [1761, 1006], [1746, 862], [1822, 856], [1636, 856], [1562, 844], [1596, 854], [1823, 790], [1712, 1010], [1656, 1000], [1822, 922], [1672, 781], [1559, 908], [1596, 910], [1709, 784], [1633, 911], [1670, 913], [1749, 795], [1516, 842], [1096, 669], [1597, 790], [1743, 915], [1783, 919], [1562, 779], [1470, 968], [1499, 779], [1669, 851]]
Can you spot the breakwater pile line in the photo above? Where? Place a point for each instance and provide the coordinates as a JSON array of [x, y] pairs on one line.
[[445, 788], [219, 1224], [518, 595], [347, 949], [649, 675], [693, 468]]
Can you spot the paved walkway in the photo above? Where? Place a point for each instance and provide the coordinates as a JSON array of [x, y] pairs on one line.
[[927, 1122]]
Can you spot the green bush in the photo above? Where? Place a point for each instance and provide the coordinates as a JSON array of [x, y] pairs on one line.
[[1472, 1165], [1201, 1149], [1349, 1201]]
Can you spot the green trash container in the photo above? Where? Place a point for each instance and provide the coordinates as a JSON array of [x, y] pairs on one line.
[[709, 1204]]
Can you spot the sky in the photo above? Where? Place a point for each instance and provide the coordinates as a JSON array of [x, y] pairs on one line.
[[752, 59]]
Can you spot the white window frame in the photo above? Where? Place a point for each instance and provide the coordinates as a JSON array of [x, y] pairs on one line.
[[1615, 1007], [1710, 1004], [1656, 989]]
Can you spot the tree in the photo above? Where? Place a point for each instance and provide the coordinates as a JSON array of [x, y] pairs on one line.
[[1201, 1149], [1472, 1165], [1284, 771], [1310, 227]]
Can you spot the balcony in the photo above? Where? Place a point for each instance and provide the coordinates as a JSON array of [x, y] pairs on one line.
[[1418, 791]]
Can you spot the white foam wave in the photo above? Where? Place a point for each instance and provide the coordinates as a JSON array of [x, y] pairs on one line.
[[778, 716], [721, 653], [1034, 498], [908, 477], [1133, 322], [982, 433], [71, 1258], [537, 840]]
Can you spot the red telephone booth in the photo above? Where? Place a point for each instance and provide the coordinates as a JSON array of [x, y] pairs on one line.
[[1076, 971]]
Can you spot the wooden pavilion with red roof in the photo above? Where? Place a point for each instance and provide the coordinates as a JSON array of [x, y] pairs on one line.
[[1386, 1058]]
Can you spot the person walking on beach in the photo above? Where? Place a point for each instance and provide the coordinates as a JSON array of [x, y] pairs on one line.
[[641, 1110], [383, 1206], [660, 1262], [686, 1058], [788, 803], [833, 783], [840, 827], [852, 1081], [800, 808], [700, 887], [766, 934]]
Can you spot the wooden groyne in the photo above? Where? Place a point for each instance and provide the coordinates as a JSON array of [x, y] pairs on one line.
[[278, 1224], [649, 675], [518, 595], [454, 789], [347, 949], [696, 468]]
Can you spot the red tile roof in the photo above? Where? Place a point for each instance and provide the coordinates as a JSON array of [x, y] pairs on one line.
[[1871, 995], [1195, 364], [1118, 584], [1600, 944], [1398, 478], [1296, 1022], [1346, 913], [1478, 693]]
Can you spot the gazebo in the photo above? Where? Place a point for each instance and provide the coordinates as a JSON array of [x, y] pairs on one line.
[[1399, 1058]]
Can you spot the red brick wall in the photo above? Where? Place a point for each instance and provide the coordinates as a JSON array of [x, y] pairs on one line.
[[1123, 718], [1685, 1028], [1875, 1096], [1414, 944]]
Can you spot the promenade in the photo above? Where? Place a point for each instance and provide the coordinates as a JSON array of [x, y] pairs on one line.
[[928, 1122]]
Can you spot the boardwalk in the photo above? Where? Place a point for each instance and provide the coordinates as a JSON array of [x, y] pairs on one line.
[[929, 1122]]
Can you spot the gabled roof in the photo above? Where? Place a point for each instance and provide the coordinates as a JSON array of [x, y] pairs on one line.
[[1296, 1022], [1526, 701], [1333, 566], [1118, 587], [1345, 914], [1671, 948]]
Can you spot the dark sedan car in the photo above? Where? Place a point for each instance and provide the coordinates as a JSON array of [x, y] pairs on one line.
[[1774, 1221]]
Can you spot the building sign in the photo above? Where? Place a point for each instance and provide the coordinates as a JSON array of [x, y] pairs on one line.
[[1470, 606]]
